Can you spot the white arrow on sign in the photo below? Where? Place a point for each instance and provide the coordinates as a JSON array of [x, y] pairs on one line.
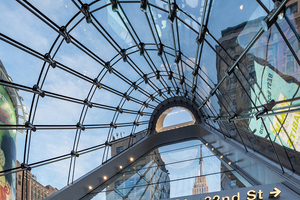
[[275, 193]]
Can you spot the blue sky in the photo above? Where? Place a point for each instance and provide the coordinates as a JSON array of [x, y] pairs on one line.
[[21, 25], [190, 168]]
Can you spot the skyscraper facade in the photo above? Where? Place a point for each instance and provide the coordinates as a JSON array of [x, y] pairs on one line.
[[200, 185]]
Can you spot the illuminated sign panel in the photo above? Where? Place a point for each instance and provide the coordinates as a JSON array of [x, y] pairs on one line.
[[283, 128], [261, 192], [7, 146], [251, 195]]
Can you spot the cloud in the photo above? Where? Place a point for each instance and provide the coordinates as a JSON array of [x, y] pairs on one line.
[[59, 11], [20, 24]]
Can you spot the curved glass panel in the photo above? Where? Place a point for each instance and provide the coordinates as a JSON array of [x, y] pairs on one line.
[[82, 75], [186, 168]]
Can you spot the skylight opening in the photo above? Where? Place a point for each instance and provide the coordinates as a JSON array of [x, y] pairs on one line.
[[173, 118]]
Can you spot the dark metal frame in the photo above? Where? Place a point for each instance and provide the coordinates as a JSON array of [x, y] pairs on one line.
[[170, 88]]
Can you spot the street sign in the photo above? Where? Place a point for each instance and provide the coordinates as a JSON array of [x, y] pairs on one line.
[[262, 192]]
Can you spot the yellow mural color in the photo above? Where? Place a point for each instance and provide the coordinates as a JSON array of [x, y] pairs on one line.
[[286, 125]]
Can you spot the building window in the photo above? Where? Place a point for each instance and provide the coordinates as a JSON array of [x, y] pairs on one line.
[[271, 62], [119, 149], [244, 97], [251, 70], [19, 182], [292, 9], [290, 64], [129, 182], [33, 193], [250, 56], [130, 171], [233, 183], [142, 158], [232, 86], [233, 96], [232, 50], [19, 176], [118, 183], [274, 36], [139, 167], [270, 53]]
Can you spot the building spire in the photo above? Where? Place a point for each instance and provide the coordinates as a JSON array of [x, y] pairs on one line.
[[201, 162], [200, 185]]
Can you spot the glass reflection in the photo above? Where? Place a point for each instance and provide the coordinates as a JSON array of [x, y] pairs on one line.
[[261, 67], [186, 168], [267, 80], [267, 74]]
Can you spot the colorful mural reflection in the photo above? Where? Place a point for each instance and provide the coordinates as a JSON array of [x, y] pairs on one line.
[[7, 146]]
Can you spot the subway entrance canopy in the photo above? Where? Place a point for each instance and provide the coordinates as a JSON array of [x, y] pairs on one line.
[[152, 99]]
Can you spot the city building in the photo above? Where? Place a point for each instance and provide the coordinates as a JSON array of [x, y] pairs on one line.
[[134, 181], [265, 64], [200, 185], [152, 99], [32, 189]]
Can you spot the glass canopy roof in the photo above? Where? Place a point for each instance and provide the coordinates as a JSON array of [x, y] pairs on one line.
[[88, 73]]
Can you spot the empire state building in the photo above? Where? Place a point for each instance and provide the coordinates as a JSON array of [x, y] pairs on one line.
[[200, 185]]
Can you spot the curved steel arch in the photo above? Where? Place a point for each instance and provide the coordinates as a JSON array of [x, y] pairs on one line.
[[79, 189], [201, 97]]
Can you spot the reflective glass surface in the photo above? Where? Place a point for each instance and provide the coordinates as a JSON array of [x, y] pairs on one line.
[[84, 74], [186, 168]]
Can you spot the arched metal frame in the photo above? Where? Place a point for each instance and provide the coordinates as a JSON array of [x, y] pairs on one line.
[[178, 85], [190, 106], [160, 122]]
